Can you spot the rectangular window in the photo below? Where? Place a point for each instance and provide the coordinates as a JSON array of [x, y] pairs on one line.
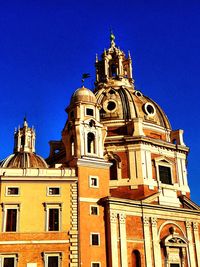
[[53, 219], [89, 112], [52, 259], [8, 260], [94, 181], [95, 264], [174, 265], [53, 216], [53, 191], [12, 191], [94, 210], [165, 174], [95, 239], [11, 220]]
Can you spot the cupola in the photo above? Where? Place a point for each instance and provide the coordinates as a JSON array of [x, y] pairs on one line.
[[24, 150]]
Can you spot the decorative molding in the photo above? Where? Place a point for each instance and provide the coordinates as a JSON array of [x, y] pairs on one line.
[[122, 218], [195, 226], [73, 248], [154, 221], [113, 217], [146, 220], [188, 224]]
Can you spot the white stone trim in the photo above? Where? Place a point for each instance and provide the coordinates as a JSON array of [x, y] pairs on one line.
[[123, 242], [156, 242], [27, 242], [196, 240], [147, 242], [88, 199], [113, 236], [12, 195], [191, 245], [90, 181]]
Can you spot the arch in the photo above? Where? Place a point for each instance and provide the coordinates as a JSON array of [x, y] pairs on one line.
[[90, 143], [113, 170], [170, 222], [136, 258]]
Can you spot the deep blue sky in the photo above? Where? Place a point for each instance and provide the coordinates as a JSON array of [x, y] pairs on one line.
[[45, 46]]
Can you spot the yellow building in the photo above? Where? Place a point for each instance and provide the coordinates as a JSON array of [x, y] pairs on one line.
[[39, 209]]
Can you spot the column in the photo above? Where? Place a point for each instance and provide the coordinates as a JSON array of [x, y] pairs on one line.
[[156, 243], [113, 239], [147, 242], [123, 242], [191, 247], [196, 240]]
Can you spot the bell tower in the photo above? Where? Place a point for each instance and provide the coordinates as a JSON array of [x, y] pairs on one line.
[[83, 134], [83, 137]]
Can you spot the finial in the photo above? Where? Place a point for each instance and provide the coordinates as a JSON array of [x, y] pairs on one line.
[[112, 38], [97, 58], [25, 122], [129, 54]]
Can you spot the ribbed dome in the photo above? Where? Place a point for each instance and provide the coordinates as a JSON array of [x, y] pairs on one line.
[[83, 95], [23, 160], [126, 103]]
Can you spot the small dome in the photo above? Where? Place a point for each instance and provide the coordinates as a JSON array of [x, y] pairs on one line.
[[23, 160], [83, 95]]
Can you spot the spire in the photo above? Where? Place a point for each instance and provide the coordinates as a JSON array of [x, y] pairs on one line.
[[24, 138], [112, 39]]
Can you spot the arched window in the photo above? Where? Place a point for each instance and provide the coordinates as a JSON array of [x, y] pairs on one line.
[[90, 143], [72, 146], [113, 70], [113, 170], [136, 259]]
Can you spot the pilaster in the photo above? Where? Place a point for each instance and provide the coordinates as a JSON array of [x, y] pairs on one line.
[[156, 244], [113, 233], [197, 242], [123, 242], [147, 242], [191, 245]]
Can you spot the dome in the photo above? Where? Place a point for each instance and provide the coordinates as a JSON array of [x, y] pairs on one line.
[[121, 103], [23, 160], [83, 95]]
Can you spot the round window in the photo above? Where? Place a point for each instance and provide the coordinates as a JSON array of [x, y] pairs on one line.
[[138, 93], [111, 105], [149, 109]]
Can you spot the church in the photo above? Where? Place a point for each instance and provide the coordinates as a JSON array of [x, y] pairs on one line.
[[113, 191]]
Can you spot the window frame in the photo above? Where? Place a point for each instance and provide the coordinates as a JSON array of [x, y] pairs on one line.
[[98, 234], [162, 161], [94, 206], [170, 174], [53, 195], [12, 195], [10, 255], [90, 108], [90, 181], [5, 208], [52, 254], [47, 207]]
